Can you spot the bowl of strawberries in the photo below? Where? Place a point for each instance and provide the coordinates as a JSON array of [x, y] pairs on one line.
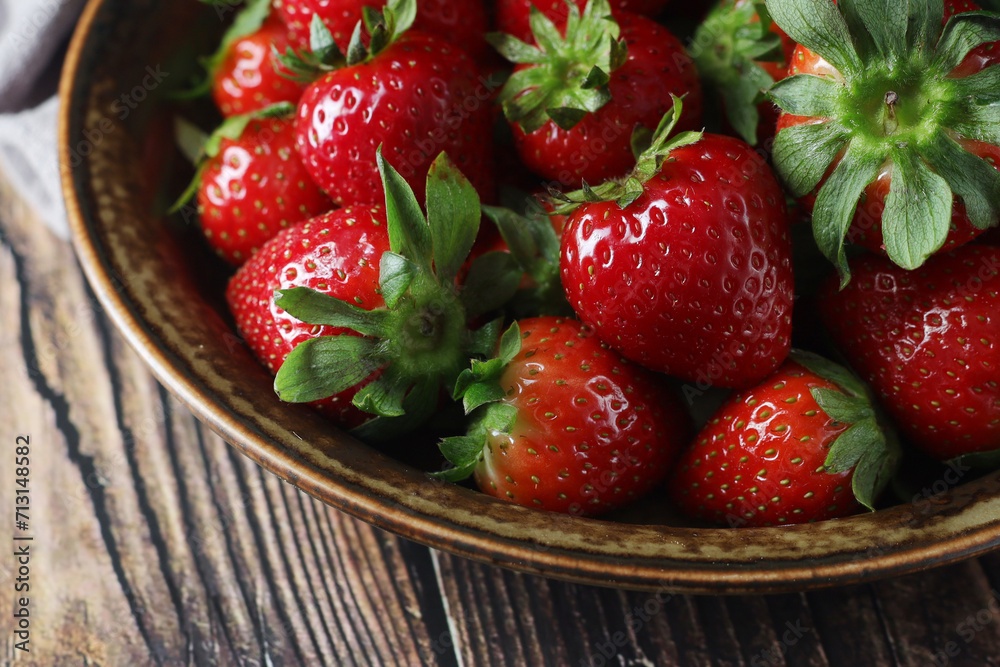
[[604, 290]]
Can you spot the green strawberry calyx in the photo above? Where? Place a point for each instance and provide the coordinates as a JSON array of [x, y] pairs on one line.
[[891, 104], [869, 446], [727, 48], [200, 147], [535, 246], [420, 340], [249, 20], [324, 55], [652, 150], [481, 393], [568, 74]]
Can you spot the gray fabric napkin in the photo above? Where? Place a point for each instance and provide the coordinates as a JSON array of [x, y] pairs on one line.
[[32, 35]]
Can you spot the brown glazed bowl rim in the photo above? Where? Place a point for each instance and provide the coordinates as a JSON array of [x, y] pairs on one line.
[[956, 524]]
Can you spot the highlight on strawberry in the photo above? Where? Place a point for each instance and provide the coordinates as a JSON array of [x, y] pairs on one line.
[[244, 75], [927, 342]]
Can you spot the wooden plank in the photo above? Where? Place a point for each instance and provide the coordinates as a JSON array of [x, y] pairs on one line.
[[945, 617], [45, 315], [157, 542], [849, 625], [748, 621]]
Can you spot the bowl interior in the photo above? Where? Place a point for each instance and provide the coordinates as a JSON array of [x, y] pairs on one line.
[[163, 289]]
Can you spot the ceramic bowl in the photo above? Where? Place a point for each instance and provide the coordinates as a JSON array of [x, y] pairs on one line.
[[163, 291]]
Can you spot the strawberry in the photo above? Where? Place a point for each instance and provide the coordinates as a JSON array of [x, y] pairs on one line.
[[886, 128], [359, 309], [866, 226], [412, 93], [461, 24], [740, 53], [928, 342], [249, 76], [251, 183], [686, 267], [243, 75], [805, 445], [337, 254], [575, 99], [514, 16], [562, 423]]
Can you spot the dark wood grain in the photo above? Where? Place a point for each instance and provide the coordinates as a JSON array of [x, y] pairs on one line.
[[158, 544]]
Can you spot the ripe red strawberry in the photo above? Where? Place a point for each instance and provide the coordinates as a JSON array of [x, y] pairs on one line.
[[741, 56], [253, 185], [575, 99], [413, 94], [866, 227], [686, 268], [337, 254], [249, 76], [461, 24], [359, 309], [562, 423], [514, 16], [888, 126], [804, 445], [928, 342]]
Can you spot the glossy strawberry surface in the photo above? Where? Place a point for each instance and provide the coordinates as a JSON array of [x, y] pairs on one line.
[[336, 254], [249, 78], [255, 187], [760, 460], [593, 431], [417, 98], [928, 342], [599, 147], [693, 278]]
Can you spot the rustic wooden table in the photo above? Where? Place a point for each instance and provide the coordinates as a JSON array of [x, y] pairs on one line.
[[155, 543]]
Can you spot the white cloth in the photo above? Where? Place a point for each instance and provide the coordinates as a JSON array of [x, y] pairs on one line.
[[32, 34]]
